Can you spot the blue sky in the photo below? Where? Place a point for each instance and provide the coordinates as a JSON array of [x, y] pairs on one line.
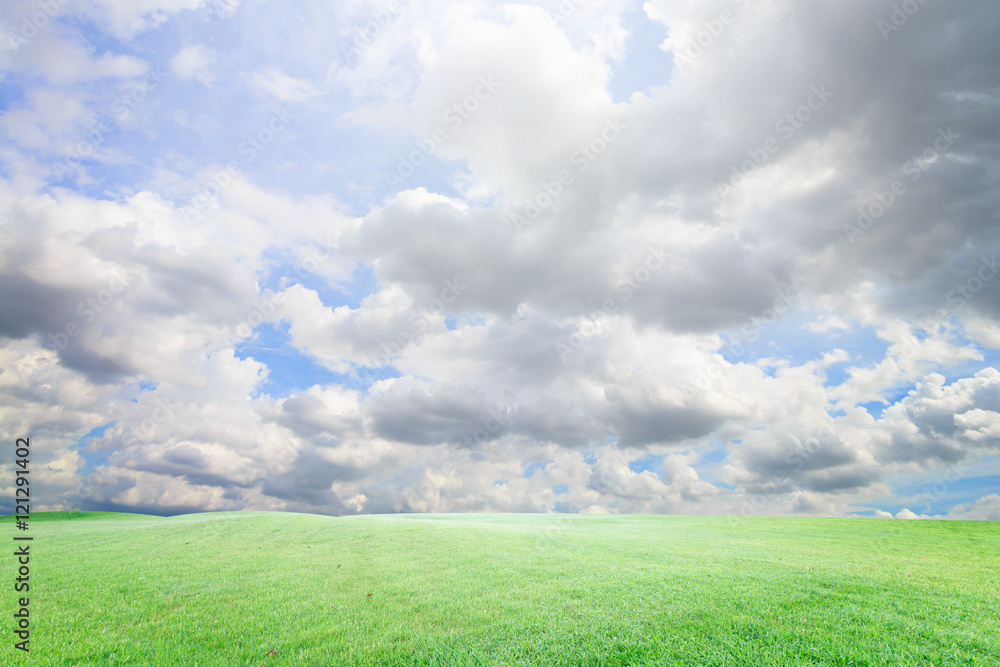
[[261, 257]]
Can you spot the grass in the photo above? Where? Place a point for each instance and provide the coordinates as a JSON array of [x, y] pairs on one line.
[[228, 588]]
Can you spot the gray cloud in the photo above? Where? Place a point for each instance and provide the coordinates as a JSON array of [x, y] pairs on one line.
[[538, 357]]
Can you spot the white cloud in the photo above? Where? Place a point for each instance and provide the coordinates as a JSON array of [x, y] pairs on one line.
[[127, 18], [555, 287], [986, 508], [944, 422], [194, 62], [66, 60], [280, 86]]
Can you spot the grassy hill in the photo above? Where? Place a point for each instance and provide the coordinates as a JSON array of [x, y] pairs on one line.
[[281, 589]]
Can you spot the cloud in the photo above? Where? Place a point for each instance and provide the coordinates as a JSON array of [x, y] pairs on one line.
[[324, 416], [406, 412], [945, 422], [193, 62], [469, 278], [986, 508], [126, 18], [67, 59], [280, 86]]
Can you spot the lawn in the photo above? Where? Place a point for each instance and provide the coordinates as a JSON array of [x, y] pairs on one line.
[[247, 588]]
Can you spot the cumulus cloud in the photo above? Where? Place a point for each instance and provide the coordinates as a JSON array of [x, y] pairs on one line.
[[986, 508], [465, 276], [193, 62], [945, 422]]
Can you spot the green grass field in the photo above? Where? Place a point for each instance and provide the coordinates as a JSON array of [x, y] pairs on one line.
[[230, 588]]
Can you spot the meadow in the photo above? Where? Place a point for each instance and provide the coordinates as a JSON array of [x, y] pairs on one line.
[[248, 588]]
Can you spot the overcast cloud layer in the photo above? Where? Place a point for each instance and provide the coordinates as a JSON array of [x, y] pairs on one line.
[[701, 257]]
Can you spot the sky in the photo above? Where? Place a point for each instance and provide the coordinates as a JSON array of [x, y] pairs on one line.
[[719, 257]]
